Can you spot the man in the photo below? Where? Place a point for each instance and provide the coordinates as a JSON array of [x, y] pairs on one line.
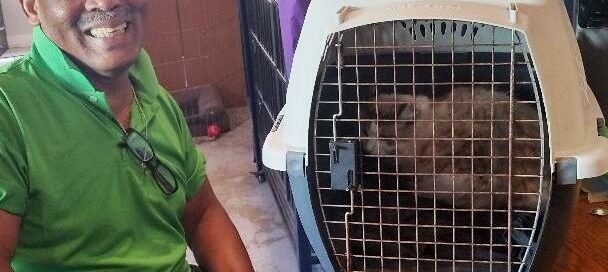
[[97, 168]]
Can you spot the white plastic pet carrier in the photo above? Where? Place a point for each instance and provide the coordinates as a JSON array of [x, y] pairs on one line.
[[437, 135]]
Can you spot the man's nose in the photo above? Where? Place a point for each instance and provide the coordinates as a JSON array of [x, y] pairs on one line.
[[103, 5]]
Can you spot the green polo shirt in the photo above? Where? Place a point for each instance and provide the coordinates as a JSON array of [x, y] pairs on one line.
[[86, 203]]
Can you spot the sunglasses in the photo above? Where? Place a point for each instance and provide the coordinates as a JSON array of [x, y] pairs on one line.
[[143, 151]]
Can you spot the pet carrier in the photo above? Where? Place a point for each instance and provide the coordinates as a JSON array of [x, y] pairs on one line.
[[437, 135]]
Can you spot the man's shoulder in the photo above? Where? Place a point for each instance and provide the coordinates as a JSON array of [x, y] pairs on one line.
[[13, 79], [168, 103], [20, 64], [18, 74]]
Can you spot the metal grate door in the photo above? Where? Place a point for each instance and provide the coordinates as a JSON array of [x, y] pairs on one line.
[[452, 171]]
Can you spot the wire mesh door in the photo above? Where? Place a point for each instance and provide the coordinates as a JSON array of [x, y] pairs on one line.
[[452, 171]]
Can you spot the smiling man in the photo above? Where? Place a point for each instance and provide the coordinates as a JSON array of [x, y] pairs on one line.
[[98, 171]]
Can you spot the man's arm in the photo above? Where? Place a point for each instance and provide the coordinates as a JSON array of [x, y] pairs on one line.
[[9, 231], [213, 238]]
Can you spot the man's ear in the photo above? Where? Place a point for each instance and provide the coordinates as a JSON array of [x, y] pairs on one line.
[[30, 8]]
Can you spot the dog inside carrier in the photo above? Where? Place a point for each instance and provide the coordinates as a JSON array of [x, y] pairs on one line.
[[428, 143]]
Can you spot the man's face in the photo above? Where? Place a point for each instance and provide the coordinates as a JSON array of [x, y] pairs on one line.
[[101, 36]]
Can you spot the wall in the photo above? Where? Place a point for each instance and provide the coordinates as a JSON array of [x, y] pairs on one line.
[[197, 42], [18, 30], [3, 42]]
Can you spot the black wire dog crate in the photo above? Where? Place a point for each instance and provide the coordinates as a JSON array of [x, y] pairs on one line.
[[266, 89]]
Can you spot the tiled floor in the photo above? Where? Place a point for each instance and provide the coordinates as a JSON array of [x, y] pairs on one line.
[[250, 204]]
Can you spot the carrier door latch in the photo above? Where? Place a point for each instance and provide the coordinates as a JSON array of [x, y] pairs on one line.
[[343, 164]]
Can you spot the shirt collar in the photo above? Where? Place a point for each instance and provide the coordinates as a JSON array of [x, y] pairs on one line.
[[47, 53]]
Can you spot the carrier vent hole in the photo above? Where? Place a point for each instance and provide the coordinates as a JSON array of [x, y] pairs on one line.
[[443, 28], [463, 30]]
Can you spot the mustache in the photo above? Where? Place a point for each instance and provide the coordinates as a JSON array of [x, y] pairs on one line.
[[92, 18]]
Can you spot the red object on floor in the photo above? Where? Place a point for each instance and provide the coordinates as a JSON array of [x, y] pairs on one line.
[[213, 130]]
